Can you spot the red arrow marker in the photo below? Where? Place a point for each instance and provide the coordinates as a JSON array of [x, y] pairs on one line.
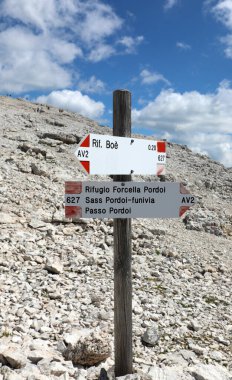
[[160, 169], [161, 146], [183, 209], [86, 142], [73, 187], [86, 165], [73, 212]]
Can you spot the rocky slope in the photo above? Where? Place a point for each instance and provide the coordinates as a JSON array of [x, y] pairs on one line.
[[56, 275]]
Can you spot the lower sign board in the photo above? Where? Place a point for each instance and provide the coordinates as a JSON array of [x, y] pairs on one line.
[[94, 199]]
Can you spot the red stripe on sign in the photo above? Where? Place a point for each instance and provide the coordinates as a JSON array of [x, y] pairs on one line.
[[161, 146], [183, 209], [86, 142], [73, 187], [73, 212], [86, 165], [160, 169]]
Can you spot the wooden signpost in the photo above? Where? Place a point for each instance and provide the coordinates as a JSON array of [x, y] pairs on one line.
[[140, 199], [122, 252]]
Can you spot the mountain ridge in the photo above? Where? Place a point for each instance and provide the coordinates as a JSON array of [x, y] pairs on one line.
[[56, 274]]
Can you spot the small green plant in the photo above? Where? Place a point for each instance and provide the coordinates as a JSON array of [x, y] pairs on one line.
[[5, 333], [214, 300], [152, 279], [44, 293], [160, 287], [211, 299]]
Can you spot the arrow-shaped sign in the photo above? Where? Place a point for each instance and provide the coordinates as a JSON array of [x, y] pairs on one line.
[[102, 154], [92, 199]]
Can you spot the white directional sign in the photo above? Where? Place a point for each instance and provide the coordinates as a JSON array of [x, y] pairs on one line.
[[102, 154], [92, 199]]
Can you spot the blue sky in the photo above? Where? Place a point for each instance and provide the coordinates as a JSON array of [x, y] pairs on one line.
[[175, 56]]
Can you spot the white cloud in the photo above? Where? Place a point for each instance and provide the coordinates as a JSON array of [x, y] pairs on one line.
[[202, 121], [41, 14], [41, 39], [131, 42], [74, 101], [183, 46], [92, 85], [169, 4], [28, 61], [63, 51], [98, 22], [227, 40], [148, 77], [223, 13], [101, 52]]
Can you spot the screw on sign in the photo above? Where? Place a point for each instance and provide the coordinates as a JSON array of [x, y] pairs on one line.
[[112, 155]]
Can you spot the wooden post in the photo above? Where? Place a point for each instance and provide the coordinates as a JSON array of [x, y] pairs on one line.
[[122, 252]]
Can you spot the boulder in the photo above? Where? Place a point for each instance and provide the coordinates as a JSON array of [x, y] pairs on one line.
[[89, 348]]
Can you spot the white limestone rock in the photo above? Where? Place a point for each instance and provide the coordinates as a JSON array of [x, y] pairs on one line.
[[210, 372], [14, 358], [54, 266], [89, 349]]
